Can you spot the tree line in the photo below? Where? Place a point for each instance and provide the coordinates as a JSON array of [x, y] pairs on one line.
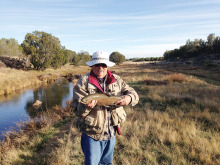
[[45, 50], [198, 47], [146, 59]]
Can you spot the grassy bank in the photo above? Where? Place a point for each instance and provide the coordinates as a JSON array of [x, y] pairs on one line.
[[177, 121], [13, 79]]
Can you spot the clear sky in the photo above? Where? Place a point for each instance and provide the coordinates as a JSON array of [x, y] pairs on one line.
[[135, 28]]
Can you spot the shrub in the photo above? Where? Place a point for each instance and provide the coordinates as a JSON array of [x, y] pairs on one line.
[[117, 58], [10, 48], [176, 77]]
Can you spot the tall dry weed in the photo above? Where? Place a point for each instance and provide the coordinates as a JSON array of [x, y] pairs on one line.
[[176, 77]]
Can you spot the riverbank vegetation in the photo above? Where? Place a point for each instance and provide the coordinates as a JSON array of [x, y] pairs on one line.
[[13, 79], [177, 121]]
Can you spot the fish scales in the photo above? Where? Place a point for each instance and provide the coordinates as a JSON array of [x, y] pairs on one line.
[[102, 99]]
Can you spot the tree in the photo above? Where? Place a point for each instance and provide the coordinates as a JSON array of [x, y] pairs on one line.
[[216, 45], [194, 48], [76, 59], [10, 48], [71, 54], [210, 41], [117, 58], [45, 50]]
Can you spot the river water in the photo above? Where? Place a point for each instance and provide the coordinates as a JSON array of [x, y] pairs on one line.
[[18, 107]]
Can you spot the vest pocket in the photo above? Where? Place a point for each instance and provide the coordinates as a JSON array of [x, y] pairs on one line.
[[91, 89], [118, 115], [95, 122], [91, 121]]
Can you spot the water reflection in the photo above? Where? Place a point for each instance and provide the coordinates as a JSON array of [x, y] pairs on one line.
[[19, 106], [53, 95]]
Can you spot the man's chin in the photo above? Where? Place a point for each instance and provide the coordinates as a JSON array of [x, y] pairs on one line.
[[100, 76]]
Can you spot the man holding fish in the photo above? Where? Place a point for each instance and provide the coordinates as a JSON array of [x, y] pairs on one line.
[[98, 100]]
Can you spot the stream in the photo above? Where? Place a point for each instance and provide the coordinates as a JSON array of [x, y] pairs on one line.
[[18, 107]]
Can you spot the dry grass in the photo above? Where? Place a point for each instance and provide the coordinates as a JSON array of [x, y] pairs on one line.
[[174, 123], [12, 79], [177, 77], [158, 138], [20, 147]]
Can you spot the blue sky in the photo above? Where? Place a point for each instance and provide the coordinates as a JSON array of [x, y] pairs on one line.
[[135, 28]]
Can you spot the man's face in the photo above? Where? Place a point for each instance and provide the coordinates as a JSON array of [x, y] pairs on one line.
[[100, 70]]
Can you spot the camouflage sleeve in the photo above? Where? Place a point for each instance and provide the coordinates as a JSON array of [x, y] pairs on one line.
[[80, 91], [127, 90]]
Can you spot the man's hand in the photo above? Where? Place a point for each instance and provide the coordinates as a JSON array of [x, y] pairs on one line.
[[125, 100], [92, 104]]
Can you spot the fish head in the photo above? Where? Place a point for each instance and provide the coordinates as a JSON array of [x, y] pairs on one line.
[[85, 100]]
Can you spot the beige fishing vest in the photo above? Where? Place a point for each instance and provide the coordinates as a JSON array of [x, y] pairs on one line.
[[92, 121]]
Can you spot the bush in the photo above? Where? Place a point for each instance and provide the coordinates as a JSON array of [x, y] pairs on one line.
[[10, 48], [117, 58], [81, 58], [177, 77]]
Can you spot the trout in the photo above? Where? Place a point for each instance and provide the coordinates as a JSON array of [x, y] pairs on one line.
[[102, 99]]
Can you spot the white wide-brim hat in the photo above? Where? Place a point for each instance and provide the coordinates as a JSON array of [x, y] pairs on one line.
[[100, 57]]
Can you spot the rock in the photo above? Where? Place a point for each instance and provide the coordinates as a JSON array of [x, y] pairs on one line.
[[16, 63], [37, 104]]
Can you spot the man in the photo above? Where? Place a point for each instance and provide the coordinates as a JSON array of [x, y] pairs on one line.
[[99, 124]]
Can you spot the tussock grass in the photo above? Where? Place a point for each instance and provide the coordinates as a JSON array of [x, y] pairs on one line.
[[176, 77], [174, 123]]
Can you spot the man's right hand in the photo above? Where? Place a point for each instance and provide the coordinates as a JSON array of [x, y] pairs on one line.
[[92, 104]]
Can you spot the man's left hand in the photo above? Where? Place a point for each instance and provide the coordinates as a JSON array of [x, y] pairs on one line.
[[125, 100]]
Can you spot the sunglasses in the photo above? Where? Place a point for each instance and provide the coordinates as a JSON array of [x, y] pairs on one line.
[[101, 65]]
